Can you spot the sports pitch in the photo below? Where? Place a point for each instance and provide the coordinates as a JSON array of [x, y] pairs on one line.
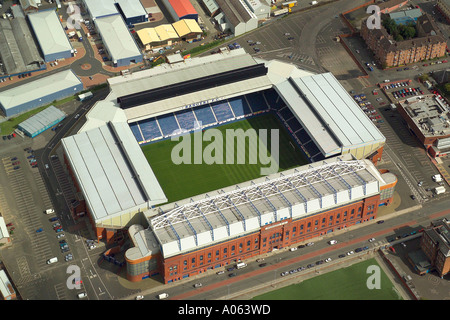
[[344, 284], [180, 181]]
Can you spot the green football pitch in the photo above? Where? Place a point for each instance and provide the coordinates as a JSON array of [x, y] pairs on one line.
[[180, 181], [344, 284]]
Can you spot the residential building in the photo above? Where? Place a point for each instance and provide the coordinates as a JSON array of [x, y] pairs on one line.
[[435, 243]]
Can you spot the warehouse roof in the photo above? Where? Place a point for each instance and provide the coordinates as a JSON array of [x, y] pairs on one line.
[[100, 8], [112, 171], [41, 87], [236, 11], [49, 32], [182, 7], [245, 208], [117, 38], [186, 26], [42, 120], [131, 8], [159, 33]]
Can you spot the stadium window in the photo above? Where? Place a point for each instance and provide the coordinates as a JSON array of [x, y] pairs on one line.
[[185, 262], [201, 258], [217, 252], [316, 223], [338, 216], [294, 229], [233, 247], [345, 213], [331, 218], [309, 224], [193, 260], [256, 240], [353, 212], [224, 250], [301, 227], [359, 209], [323, 220], [209, 255]]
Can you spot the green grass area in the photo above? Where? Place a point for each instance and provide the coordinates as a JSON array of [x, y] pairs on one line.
[[186, 180], [344, 284]]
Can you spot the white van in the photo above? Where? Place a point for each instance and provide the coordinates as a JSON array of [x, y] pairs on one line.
[[82, 295], [331, 242], [52, 260], [49, 211], [241, 265], [163, 296]]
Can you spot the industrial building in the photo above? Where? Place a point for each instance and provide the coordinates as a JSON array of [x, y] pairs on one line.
[[29, 5], [236, 16], [159, 36], [118, 41], [42, 121], [187, 29], [132, 11], [39, 92], [181, 9], [18, 50], [211, 7], [100, 8], [50, 35]]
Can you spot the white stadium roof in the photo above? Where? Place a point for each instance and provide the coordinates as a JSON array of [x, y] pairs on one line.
[[242, 209], [112, 171], [328, 113], [49, 32]]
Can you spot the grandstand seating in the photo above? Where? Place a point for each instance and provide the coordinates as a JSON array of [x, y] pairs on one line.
[[222, 111], [229, 109], [257, 102], [136, 131], [186, 119], [239, 106], [168, 124], [205, 115], [150, 129]]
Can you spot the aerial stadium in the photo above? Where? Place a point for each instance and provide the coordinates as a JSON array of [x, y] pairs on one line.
[[184, 219]]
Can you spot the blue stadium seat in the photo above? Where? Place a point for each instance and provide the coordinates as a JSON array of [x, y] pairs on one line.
[[222, 111], [273, 99], [150, 129], [186, 119], [256, 101], [286, 113], [168, 124], [205, 115], [137, 133], [240, 106]]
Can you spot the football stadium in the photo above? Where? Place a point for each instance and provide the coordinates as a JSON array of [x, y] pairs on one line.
[[187, 214]]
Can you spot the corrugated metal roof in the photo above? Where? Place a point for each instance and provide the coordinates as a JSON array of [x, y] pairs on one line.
[[329, 114], [112, 171], [49, 32], [186, 26], [41, 87], [117, 37], [41, 120], [236, 11], [9, 49], [182, 7], [131, 8], [99, 8]]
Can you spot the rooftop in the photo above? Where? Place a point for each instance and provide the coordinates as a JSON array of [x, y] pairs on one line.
[[112, 171], [117, 37], [49, 32], [429, 114]]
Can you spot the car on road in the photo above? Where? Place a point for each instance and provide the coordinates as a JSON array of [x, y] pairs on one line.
[[341, 256], [46, 166], [197, 285], [327, 259], [301, 246], [350, 253], [232, 274], [260, 260], [310, 265], [371, 239], [230, 269], [220, 272], [263, 265], [139, 297], [310, 244]]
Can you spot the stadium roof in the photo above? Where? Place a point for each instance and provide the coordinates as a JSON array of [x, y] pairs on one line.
[[186, 26], [329, 114], [131, 8], [112, 171], [42, 119], [117, 37], [41, 87], [49, 32], [238, 210], [100, 8]]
